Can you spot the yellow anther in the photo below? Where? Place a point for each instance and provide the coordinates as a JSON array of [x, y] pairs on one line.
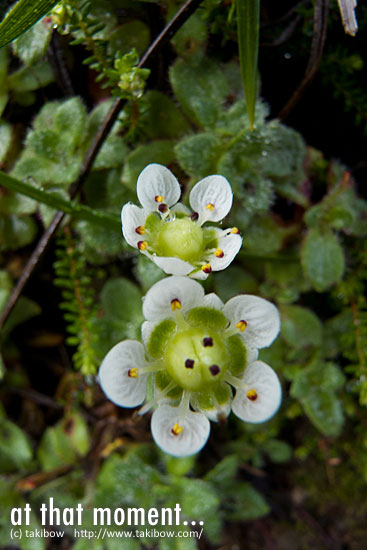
[[159, 198], [207, 268], [241, 325], [175, 304], [142, 245], [140, 230], [251, 394], [133, 373], [210, 207], [177, 429], [235, 230], [219, 253]]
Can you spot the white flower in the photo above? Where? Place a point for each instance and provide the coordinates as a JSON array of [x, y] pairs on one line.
[[197, 351], [170, 234]]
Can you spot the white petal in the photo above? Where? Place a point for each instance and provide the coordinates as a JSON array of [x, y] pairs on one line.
[[196, 429], [172, 266], [132, 217], [251, 355], [200, 275], [214, 190], [157, 301], [261, 316], [229, 244], [212, 300], [260, 377], [146, 331], [156, 180], [113, 374]]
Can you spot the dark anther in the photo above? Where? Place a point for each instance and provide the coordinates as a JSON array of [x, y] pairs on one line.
[[194, 216], [189, 363], [207, 342], [163, 208], [214, 369]]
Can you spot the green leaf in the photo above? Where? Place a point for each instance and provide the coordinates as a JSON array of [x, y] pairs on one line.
[[5, 140], [16, 232], [198, 154], [191, 38], [121, 300], [223, 472], [23, 310], [244, 503], [56, 200], [130, 473], [157, 151], [315, 387], [21, 17], [248, 25], [322, 259], [10, 498], [15, 449], [179, 543], [29, 79], [325, 411], [301, 328], [201, 90], [163, 119], [33, 44], [64, 443], [278, 451], [112, 153]]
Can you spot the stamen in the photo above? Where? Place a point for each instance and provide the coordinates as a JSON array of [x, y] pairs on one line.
[[214, 369], [241, 325], [140, 230], [207, 268], [207, 342], [175, 304], [219, 253], [142, 245], [133, 373], [189, 363], [163, 208], [235, 230], [194, 216], [252, 394], [210, 207], [159, 198], [177, 429]]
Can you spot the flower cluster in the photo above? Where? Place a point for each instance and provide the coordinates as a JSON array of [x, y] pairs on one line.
[[198, 359], [197, 353], [171, 235]]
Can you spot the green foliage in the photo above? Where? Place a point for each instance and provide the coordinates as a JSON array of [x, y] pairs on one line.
[[322, 259], [248, 25], [65, 443], [15, 449], [78, 303]]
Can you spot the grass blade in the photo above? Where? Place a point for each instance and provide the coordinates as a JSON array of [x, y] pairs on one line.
[[248, 23], [21, 17]]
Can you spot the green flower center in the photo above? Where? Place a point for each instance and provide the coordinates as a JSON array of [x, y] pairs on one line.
[[180, 238], [195, 358]]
